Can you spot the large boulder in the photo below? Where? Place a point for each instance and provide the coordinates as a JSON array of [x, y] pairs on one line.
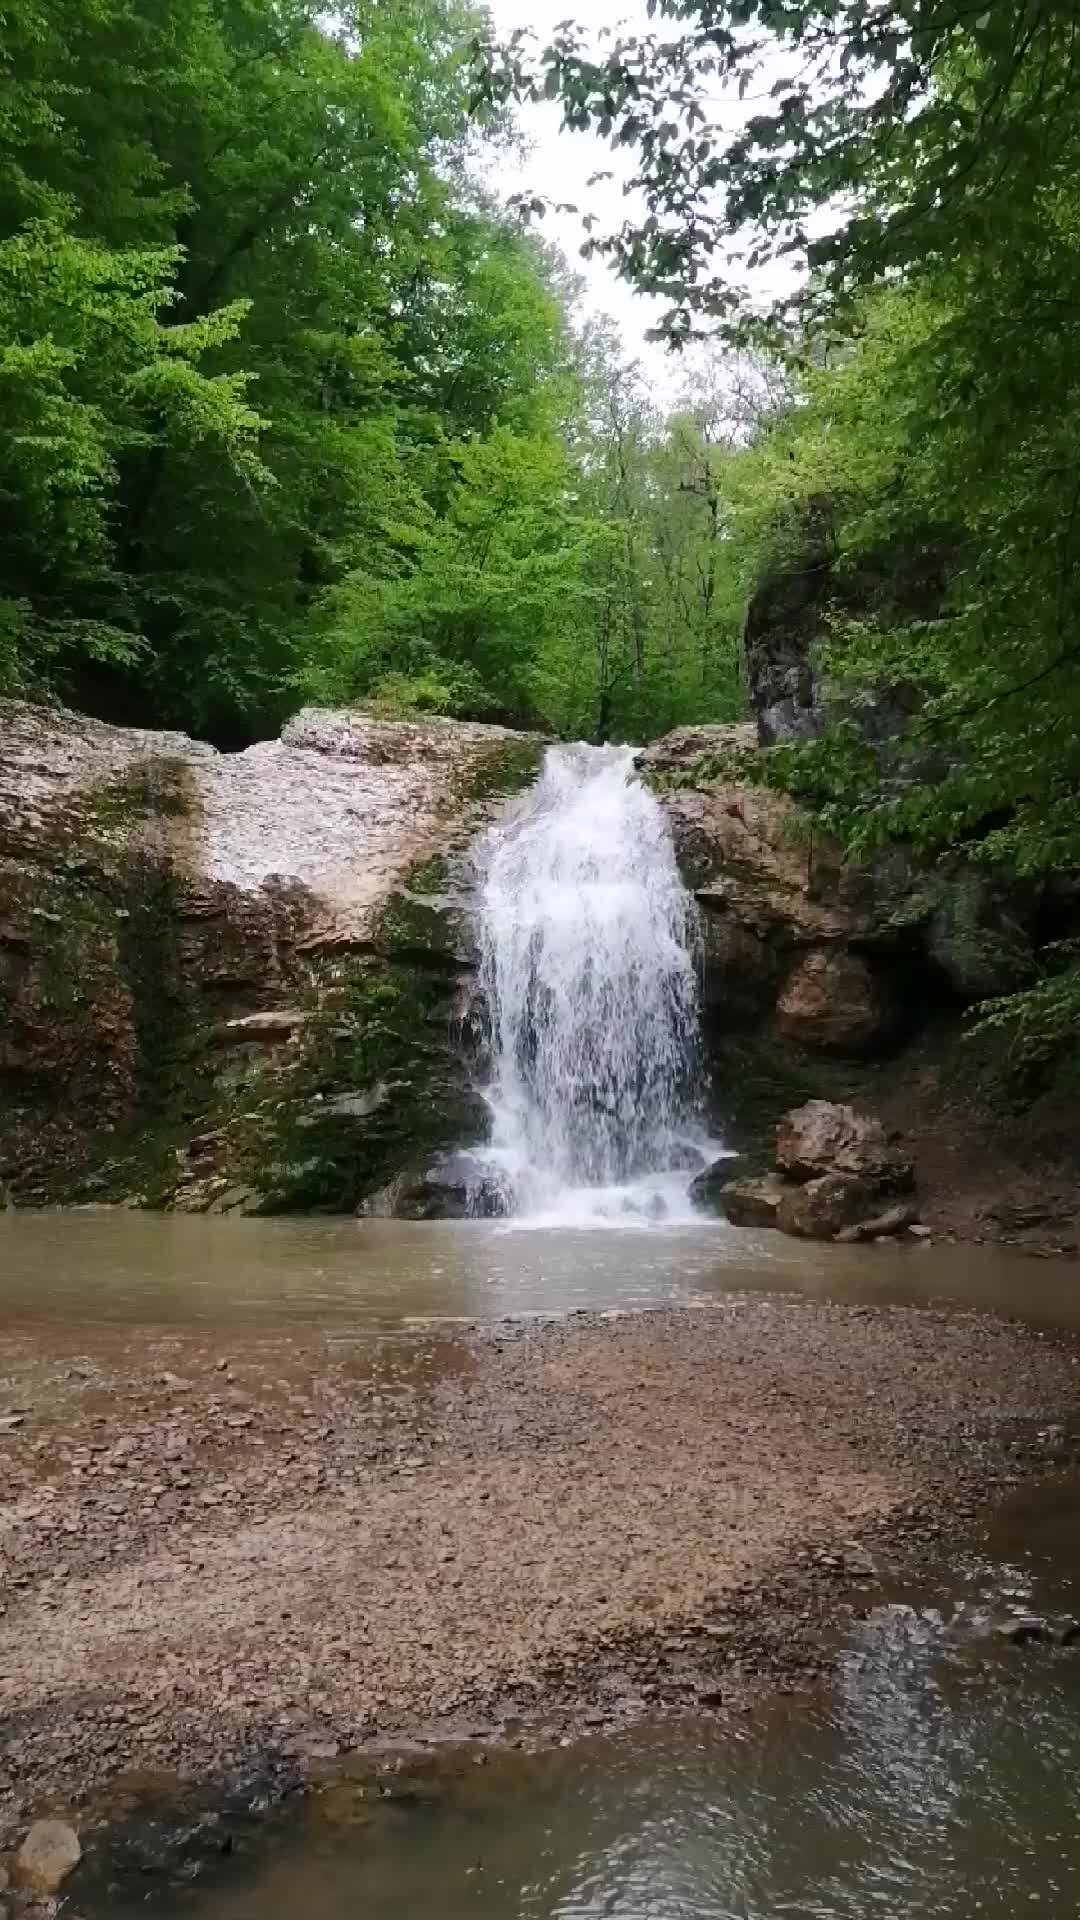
[[821, 1209], [457, 1186], [823, 1137], [834, 1003], [708, 1187], [754, 1203]]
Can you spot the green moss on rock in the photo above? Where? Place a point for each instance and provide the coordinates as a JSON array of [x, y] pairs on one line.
[[378, 1092], [505, 769]]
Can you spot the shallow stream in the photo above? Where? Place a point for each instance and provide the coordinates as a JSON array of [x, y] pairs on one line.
[[936, 1783]]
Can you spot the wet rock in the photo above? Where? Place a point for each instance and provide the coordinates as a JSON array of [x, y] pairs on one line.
[[741, 971], [282, 901], [827, 1138], [883, 1226], [355, 1106], [236, 1199], [754, 1203], [707, 1190], [1023, 1629], [833, 1002], [47, 1855], [458, 1187], [820, 1209]]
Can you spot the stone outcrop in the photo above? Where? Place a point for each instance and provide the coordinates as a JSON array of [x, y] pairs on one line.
[[456, 1186], [823, 1138], [792, 614], [833, 1001], [839, 956], [826, 1206], [234, 980], [752, 1203], [837, 1177]]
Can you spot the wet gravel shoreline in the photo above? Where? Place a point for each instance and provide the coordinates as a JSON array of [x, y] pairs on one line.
[[311, 1544]]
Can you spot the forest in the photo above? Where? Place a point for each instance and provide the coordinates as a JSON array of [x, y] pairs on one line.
[[294, 409]]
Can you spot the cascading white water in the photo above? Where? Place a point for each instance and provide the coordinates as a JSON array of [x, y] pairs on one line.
[[586, 935]]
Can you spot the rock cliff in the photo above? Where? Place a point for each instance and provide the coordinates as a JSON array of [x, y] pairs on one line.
[[829, 979], [243, 980], [233, 979]]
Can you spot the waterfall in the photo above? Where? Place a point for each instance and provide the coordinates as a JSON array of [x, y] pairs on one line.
[[587, 969]]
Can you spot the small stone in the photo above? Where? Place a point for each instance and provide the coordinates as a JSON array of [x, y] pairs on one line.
[[1023, 1629], [920, 1231], [48, 1854]]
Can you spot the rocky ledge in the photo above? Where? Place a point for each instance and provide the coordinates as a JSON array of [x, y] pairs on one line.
[[234, 980], [855, 982]]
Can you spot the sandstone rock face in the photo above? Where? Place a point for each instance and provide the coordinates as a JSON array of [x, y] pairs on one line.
[[778, 899], [48, 1854], [831, 1001], [824, 1138], [234, 972]]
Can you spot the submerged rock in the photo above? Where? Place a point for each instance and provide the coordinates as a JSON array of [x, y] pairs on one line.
[[708, 1188], [48, 1854]]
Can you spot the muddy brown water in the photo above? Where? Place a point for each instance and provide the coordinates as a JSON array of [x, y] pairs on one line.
[[103, 1266], [936, 1781]]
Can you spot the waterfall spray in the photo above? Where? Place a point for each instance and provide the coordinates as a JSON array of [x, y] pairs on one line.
[[586, 935]]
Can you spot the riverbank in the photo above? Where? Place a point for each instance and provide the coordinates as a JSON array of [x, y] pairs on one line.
[[311, 1541]]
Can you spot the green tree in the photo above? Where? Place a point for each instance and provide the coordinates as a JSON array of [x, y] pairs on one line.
[[917, 161]]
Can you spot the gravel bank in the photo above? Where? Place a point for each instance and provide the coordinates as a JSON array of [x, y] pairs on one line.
[[314, 1543]]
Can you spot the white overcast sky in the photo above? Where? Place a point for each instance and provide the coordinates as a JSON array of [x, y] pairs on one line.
[[561, 163]]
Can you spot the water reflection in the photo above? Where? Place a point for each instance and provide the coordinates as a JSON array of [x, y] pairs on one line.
[[938, 1784]]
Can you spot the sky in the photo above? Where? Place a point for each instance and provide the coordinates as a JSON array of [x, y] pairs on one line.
[[560, 164]]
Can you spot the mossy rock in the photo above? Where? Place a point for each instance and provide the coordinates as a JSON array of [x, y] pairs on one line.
[[505, 770]]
